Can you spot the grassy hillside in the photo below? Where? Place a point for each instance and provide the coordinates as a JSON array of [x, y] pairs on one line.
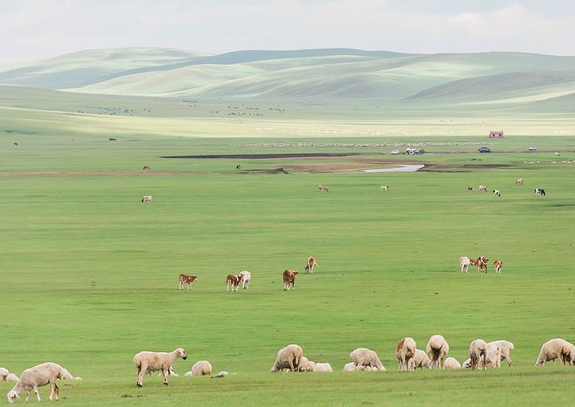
[[308, 75]]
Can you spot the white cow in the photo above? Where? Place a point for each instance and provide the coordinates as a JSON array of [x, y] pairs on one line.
[[245, 278], [464, 263]]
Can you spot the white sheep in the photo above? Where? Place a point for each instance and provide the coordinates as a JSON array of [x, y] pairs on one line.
[[200, 368], [421, 360], [437, 349], [478, 350], [322, 367], [451, 364], [287, 358], [404, 351], [556, 349], [350, 367], [153, 361], [305, 365], [363, 357], [505, 348], [5, 375], [245, 278], [37, 376]]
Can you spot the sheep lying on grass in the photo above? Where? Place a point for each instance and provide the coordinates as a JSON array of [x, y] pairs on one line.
[[287, 358], [146, 361], [322, 367], [451, 364], [363, 357], [200, 368], [37, 376], [556, 349]]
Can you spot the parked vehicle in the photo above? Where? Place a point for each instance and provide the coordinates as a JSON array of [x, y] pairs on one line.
[[484, 150]]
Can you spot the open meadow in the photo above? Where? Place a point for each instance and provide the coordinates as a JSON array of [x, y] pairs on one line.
[[89, 273]]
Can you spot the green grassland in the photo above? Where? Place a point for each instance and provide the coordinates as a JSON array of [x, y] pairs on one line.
[[89, 274]]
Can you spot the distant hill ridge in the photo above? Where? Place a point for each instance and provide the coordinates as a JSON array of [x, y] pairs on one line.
[[314, 74]]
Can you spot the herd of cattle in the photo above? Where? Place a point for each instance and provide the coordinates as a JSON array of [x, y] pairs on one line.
[[480, 263], [482, 355]]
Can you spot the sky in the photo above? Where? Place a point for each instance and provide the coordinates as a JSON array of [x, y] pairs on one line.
[[38, 29]]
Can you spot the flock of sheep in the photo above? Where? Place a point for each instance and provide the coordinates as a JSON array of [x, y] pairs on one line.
[[482, 355]]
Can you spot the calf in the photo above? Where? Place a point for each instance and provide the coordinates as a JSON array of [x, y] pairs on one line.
[[147, 198], [311, 263], [482, 264], [289, 279], [497, 264], [539, 191], [186, 279], [232, 281]]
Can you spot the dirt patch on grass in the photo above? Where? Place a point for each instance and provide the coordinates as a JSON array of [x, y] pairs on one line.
[[262, 156]]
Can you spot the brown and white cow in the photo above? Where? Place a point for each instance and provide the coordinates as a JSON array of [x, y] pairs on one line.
[[147, 198], [497, 264], [482, 264], [289, 279], [186, 279], [483, 188], [311, 263], [323, 188], [146, 168], [233, 282]]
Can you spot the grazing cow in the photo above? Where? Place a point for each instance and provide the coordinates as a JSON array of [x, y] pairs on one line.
[[232, 281], [497, 264], [146, 168], [539, 191], [384, 188], [483, 188], [147, 198], [496, 193], [482, 264], [245, 278], [464, 263], [289, 279], [186, 279], [311, 263], [519, 181], [323, 188]]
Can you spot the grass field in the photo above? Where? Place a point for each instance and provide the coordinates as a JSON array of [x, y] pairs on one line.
[[89, 273]]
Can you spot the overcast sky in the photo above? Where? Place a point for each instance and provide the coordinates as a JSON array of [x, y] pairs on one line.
[[38, 29]]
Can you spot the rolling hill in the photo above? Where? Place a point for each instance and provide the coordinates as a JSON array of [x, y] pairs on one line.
[[510, 79]]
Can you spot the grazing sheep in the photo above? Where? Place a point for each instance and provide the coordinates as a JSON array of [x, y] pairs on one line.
[[556, 349], [322, 367], [6, 376], [451, 364], [287, 358], [200, 368], [37, 376], [505, 347], [478, 350], [245, 278], [363, 357], [404, 351], [305, 365], [350, 367], [437, 348], [153, 361], [492, 356], [421, 360]]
